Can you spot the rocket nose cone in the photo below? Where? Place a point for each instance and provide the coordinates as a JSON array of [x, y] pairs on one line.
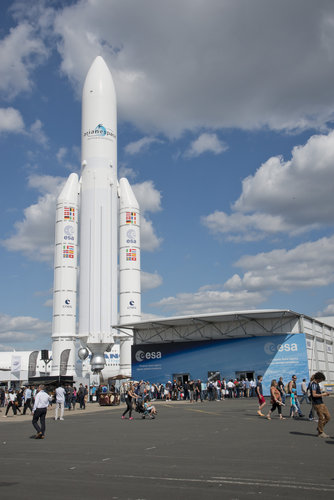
[[98, 63], [99, 77]]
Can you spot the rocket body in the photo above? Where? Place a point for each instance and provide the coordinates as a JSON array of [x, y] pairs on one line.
[[98, 213]]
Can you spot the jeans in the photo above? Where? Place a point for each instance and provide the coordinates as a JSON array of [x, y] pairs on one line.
[[298, 407], [304, 396]]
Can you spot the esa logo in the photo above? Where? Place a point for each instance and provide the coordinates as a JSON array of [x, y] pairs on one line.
[[69, 231], [131, 236], [271, 348], [141, 355]]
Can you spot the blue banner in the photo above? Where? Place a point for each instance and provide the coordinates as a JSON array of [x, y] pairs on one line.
[[270, 356]]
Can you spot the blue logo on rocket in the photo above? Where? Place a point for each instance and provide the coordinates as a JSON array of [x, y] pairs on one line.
[[101, 130]]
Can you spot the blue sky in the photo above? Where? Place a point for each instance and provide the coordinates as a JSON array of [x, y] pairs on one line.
[[225, 132]]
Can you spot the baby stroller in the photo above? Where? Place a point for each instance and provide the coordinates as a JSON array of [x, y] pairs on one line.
[[145, 410]]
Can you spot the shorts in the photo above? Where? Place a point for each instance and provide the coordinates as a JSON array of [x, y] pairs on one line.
[[261, 399]]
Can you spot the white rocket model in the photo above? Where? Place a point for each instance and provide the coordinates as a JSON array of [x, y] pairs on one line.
[[99, 221]]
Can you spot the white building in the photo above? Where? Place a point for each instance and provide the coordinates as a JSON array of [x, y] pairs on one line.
[[234, 344]]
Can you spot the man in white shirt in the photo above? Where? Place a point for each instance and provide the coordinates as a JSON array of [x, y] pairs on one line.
[[41, 404], [11, 402], [60, 402], [27, 400]]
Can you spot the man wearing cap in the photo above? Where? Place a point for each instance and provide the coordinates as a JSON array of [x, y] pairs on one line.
[[41, 404]]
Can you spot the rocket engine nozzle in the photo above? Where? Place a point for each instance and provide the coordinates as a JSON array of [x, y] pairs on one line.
[[97, 363]]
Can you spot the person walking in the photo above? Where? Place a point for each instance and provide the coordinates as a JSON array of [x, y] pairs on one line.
[[11, 402], [60, 402], [259, 393], [293, 385], [318, 404], [280, 387], [303, 387], [81, 397], [129, 396], [276, 400], [41, 403], [27, 400]]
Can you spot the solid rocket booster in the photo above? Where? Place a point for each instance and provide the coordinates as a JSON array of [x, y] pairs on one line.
[[65, 279], [98, 213], [129, 269]]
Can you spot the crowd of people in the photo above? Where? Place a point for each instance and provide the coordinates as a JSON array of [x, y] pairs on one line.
[[195, 390], [311, 392], [21, 400], [143, 393]]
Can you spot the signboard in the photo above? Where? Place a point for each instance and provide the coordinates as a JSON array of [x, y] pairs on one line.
[[270, 356]]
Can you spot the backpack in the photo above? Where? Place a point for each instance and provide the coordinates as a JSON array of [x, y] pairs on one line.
[[286, 388]]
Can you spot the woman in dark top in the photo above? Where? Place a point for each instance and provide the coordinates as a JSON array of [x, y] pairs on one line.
[[128, 399]]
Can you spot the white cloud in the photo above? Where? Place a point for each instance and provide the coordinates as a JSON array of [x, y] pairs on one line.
[[216, 71], [150, 280], [20, 52], [210, 300], [61, 154], [141, 145], [22, 329], [125, 171], [286, 270], [265, 273], [11, 121], [34, 235], [290, 196], [206, 143], [148, 197], [37, 133]]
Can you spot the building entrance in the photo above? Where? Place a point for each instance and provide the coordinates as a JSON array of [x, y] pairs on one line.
[[244, 375], [181, 377]]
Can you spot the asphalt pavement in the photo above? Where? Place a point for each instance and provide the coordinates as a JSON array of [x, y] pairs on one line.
[[209, 450]]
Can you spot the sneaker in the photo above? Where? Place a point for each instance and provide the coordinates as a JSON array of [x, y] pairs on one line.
[[131, 418], [122, 417], [310, 419], [323, 435], [61, 418]]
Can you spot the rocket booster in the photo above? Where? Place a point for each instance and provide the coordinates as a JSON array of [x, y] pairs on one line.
[[65, 279], [98, 213]]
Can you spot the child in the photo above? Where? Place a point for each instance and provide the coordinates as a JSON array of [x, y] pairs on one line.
[[150, 408], [293, 409]]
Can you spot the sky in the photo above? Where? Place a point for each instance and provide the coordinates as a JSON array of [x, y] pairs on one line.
[[225, 132]]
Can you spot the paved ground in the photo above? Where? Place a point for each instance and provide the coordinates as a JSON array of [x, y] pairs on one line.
[[190, 451]]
